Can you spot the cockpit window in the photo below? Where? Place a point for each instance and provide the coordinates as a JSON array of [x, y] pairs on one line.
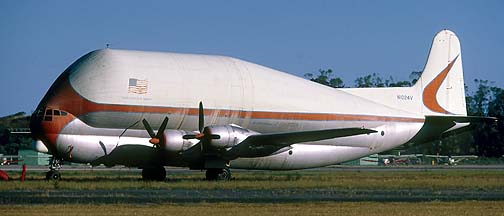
[[39, 113], [48, 114], [48, 118]]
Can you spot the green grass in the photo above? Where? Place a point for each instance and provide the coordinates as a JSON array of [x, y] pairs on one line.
[[321, 208], [91, 180]]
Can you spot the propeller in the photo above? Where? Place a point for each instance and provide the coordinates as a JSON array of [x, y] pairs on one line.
[[204, 132], [156, 139]]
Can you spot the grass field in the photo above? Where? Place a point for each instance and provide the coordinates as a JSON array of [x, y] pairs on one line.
[[93, 180], [457, 180], [323, 208]]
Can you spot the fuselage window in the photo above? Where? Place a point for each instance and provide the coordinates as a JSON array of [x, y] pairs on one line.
[[63, 113], [48, 112], [56, 112]]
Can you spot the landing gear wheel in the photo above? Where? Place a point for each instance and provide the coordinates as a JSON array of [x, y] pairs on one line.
[[218, 174], [53, 175], [54, 167], [154, 174]]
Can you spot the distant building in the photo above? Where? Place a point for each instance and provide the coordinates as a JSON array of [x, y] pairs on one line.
[[31, 157], [371, 160]]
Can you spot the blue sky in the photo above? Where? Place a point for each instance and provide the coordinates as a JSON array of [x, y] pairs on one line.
[[39, 39]]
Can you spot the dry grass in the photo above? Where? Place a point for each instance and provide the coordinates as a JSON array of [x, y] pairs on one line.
[[323, 208], [91, 180]]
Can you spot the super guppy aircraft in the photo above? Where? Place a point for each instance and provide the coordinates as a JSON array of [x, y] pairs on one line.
[[153, 109]]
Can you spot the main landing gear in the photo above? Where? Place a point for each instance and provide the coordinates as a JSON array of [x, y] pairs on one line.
[[154, 174], [218, 174], [54, 166]]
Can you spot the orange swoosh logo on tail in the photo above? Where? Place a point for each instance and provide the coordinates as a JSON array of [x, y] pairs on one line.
[[430, 92]]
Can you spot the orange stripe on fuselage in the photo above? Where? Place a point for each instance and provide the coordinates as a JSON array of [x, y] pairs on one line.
[[66, 98]]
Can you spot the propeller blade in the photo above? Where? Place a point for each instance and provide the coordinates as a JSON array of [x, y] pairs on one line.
[[204, 136], [148, 128], [189, 136], [162, 128], [201, 115]]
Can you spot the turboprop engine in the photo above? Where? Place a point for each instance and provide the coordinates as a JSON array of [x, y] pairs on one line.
[[174, 141], [228, 135], [169, 140], [216, 137]]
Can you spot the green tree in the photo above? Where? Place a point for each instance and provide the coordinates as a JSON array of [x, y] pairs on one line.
[[11, 143], [369, 81], [326, 77], [487, 101], [390, 83], [415, 76], [488, 137], [375, 81], [477, 103]]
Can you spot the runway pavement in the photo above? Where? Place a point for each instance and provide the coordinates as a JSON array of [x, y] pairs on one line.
[[240, 196]]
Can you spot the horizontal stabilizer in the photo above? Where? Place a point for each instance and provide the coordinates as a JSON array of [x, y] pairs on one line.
[[436, 127], [461, 119]]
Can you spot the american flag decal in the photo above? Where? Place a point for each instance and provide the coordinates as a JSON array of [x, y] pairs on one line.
[[137, 86]]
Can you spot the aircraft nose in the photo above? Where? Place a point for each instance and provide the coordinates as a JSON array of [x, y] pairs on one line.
[[47, 123], [36, 124]]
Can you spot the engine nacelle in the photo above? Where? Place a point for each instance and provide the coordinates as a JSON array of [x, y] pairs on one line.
[[230, 135], [175, 142]]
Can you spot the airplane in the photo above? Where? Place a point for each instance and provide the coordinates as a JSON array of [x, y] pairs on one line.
[[207, 112], [451, 160], [408, 159]]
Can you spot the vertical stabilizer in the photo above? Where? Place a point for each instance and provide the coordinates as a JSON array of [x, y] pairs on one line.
[[442, 80]]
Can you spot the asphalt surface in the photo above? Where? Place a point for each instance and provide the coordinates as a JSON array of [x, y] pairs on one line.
[[239, 195]]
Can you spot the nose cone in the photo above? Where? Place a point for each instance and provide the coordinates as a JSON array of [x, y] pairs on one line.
[[39, 128], [35, 124], [46, 125], [56, 107]]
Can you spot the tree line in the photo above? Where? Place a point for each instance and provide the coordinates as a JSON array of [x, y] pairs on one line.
[[482, 139], [11, 143], [485, 139]]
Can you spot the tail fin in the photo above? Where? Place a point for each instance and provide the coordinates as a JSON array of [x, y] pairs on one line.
[[442, 80], [440, 89]]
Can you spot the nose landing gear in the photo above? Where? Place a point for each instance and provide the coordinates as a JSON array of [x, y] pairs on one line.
[[54, 166]]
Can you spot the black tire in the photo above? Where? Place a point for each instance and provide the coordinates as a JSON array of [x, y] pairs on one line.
[[224, 175], [154, 174], [218, 174], [53, 175]]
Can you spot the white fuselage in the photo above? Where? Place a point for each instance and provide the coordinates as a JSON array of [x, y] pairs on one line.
[[94, 111], [98, 90]]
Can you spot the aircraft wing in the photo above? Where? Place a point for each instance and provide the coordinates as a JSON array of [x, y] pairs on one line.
[[265, 144], [289, 138]]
